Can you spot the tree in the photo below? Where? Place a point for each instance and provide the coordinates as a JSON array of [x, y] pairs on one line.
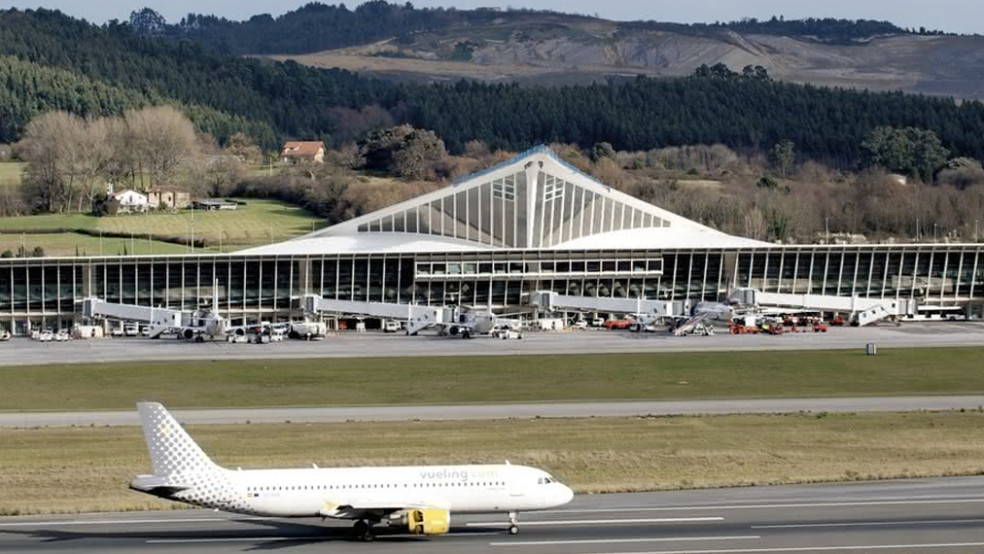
[[602, 150], [51, 150], [784, 155], [163, 140], [147, 22], [403, 150], [244, 148], [913, 151], [962, 173]]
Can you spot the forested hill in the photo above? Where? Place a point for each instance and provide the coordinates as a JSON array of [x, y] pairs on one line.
[[318, 26], [52, 61]]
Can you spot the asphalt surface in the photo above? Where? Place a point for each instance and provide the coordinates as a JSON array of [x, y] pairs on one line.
[[23, 351], [925, 515], [504, 411]]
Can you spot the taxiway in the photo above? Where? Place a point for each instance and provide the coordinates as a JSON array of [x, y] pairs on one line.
[[218, 416]]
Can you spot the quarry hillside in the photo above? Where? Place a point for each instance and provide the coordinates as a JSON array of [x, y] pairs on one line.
[[559, 49]]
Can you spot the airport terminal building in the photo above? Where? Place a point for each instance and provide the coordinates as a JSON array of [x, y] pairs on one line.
[[533, 223]]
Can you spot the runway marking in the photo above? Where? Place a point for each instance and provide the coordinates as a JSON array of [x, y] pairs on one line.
[[624, 541], [869, 523], [813, 548], [130, 521], [600, 521], [769, 506], [232, 539]]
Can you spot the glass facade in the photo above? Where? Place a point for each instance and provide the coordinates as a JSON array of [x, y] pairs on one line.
[[50, 291]]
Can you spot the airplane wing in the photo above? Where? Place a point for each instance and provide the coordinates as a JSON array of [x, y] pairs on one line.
[[363, 511]]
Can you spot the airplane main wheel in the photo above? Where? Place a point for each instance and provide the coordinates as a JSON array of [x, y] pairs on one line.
[[363, 531]]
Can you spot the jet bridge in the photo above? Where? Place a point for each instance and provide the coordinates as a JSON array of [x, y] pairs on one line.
[[417, 317], [159, 319], [549, 301], [865, 310]]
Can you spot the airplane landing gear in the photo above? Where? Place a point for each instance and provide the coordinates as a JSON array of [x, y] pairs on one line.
[[513, 527], [363, 531]]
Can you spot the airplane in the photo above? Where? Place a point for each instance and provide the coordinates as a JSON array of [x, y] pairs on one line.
[[468, 323], [716, 311], [418, 499]]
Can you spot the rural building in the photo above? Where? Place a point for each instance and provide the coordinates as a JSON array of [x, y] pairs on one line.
[[126, 202], [211, 205], [161, 198], [497, 239], [307, 151]]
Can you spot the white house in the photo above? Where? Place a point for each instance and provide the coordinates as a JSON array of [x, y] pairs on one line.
[[129, 201]]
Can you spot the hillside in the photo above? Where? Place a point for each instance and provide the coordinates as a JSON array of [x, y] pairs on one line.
[[399, 41], [53, 62], [559, 49]]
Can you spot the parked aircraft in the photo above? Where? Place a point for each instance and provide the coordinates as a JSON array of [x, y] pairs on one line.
[[418, 499], [468, 323], [717, 311]]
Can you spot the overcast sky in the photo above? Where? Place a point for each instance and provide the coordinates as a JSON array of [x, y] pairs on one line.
[[959, 16]]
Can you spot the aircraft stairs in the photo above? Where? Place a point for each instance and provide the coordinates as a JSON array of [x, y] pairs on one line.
[[688, 326]]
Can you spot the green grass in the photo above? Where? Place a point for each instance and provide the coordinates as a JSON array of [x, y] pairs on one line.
[[67, 244], [443, 379], [10, 173], [71, 469], [258, 222]]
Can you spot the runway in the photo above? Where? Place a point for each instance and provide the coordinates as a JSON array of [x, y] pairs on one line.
[[925, 515], [218, 416], [378, 344]]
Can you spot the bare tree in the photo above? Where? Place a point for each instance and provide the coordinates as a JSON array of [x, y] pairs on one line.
[[44, 147], [163, 140]]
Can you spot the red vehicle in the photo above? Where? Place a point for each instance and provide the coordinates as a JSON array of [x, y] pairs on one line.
[[618, 323]]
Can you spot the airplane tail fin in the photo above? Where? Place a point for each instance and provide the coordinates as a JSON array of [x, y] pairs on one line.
[[172, 450]]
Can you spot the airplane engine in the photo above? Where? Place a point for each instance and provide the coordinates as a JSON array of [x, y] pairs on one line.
[[429, 521], [188, 334], [453, 331]]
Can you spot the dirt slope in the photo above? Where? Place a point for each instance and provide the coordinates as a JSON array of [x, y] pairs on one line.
[[558, 50]]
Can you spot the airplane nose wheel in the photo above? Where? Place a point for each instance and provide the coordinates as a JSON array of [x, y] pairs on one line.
[[513, 527], [363, 531]]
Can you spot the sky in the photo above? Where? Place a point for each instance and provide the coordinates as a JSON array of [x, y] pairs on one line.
[[957, 16]]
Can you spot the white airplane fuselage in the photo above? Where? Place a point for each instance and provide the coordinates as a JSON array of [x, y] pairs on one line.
[[183, 472], [326, 492]]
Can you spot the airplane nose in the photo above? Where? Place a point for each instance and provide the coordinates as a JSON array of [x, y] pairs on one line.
[[566, 494]]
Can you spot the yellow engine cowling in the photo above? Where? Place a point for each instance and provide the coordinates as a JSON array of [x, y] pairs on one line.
[[429, 521]]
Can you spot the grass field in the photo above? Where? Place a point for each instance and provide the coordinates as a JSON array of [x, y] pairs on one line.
[[480, 379], [67, 244], [72, 469], [10, 173], [258, 222]]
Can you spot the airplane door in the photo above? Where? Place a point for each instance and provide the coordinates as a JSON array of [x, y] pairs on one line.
[[516, 486]]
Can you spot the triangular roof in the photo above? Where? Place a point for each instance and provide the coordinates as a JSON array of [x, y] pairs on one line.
[[302, 148], [534, 200]]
